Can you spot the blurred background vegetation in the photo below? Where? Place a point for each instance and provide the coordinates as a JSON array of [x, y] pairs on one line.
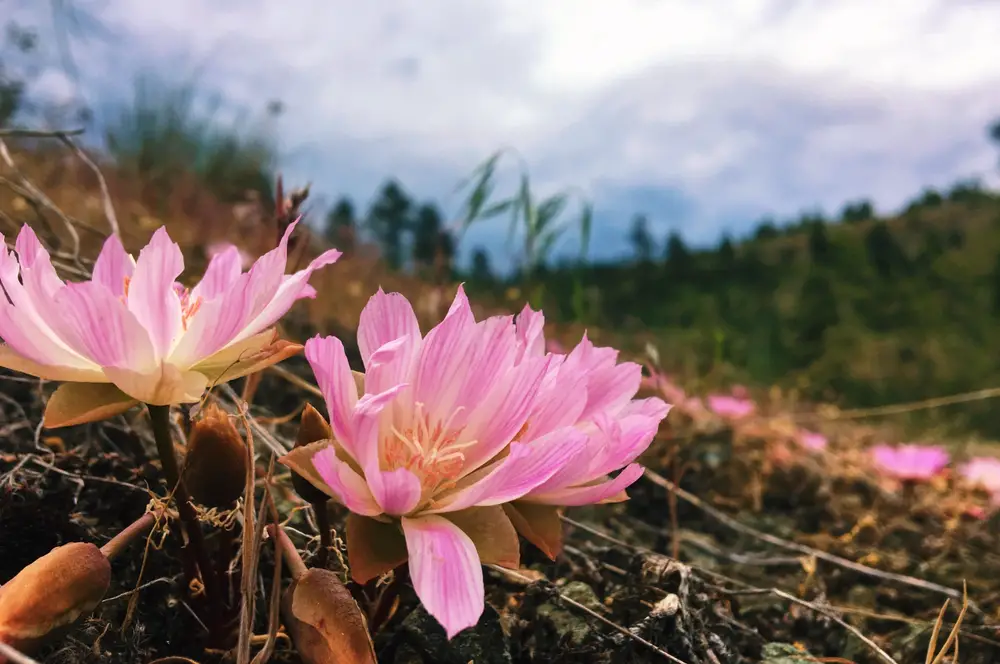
[[857, 308]]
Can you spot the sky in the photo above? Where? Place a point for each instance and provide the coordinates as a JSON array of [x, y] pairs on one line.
[[705, 116]]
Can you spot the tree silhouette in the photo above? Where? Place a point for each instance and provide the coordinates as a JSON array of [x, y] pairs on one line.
[[341, 225], [819, 243], [884, 253], [643, 244], [679, 263], [481, 272], [390, 219], [816, 313]]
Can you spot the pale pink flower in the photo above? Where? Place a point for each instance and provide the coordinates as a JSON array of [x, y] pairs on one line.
[[451, 426], [217, 248], [984, 471], [812, 440], [910, 461], [132, 333], [731, 407]]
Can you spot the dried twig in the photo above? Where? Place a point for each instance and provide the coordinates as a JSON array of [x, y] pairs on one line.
[[15, 656], [109, 208], [44, 200], [829, 613]]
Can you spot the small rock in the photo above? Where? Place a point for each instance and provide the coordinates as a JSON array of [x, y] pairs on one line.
[[568, 625], [485, 643]]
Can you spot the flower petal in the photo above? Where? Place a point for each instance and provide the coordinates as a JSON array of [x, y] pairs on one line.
[[288, 293], [446, 572], [386, 317], [12, 359], [114, 266], [397, 491], [348, 488], [524, 468], [98, 325], [530, 332], [78, 403], [445, 356], [151, 294], [504, 412], [162, 386], [223, 270], [589, 495], [329, 363], [25, 319]]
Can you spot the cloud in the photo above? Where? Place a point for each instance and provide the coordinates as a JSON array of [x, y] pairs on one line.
[[703, 115]]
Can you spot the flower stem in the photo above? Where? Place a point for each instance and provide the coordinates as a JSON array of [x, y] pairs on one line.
[[159, 417], [325, 538], [138, 527]]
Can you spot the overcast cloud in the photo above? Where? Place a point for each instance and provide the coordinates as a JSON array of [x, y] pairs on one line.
[[704, 115]]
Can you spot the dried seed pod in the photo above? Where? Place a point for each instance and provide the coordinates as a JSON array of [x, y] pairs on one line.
[[325, 622], [312, 427], [215, 466], [52, 592]]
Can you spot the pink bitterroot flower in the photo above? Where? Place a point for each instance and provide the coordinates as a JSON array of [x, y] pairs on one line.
[[132, 333], [731, 407], [910, 462], [812, 440], [985, 472], [451, 427]]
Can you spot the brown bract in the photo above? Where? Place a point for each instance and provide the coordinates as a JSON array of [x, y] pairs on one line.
[[325, 622], [52, 592], [312, 428], [216, 460]]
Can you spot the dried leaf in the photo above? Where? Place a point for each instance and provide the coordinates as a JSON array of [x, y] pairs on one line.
[[325, 622]]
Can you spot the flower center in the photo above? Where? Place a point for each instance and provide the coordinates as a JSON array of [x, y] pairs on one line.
[[431, 450]]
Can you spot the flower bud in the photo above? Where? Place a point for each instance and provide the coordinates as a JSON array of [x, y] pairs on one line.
[[216, 463], [325, 621], [52, 592], [312, 427]]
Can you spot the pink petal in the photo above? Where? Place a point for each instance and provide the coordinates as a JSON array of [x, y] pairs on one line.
[[611, 388], [39, 277], [220, 320], [27, 337], [223, 270], [445, 356], [530, 332], [559, 399], [26, 318], [288, 293], [12, 359], [151, 295], [348, 487], [495, 351], [524, 468], [329, 363], [161, 386], [446, 572], [98, 325], [504, 412], [397, 491], [113, 266], [589, 495], [388, 319]]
